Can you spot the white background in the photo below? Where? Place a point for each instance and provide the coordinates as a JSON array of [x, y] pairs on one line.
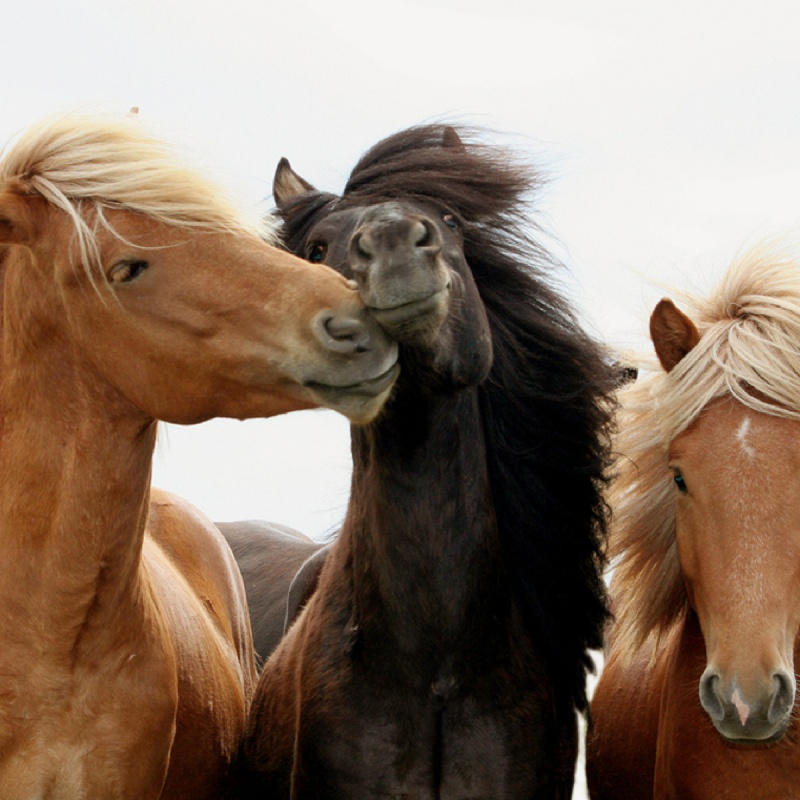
[[671, 132]]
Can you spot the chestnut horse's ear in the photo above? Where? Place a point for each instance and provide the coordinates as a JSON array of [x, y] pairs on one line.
[[450, 138], [672, 332], [288, 184], [18, 217]]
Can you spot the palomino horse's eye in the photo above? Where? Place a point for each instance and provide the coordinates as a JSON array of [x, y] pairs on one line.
[[126, 271], [316, 253], [450, 221], [680, 483]]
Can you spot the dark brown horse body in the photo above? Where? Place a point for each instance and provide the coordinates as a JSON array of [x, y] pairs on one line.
[[273, 560], [443, 653]]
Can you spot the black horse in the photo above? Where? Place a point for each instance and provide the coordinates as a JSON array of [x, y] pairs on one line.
[[443, 653]]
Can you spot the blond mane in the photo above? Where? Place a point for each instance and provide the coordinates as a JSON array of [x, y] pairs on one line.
[[749, 348], [84, 165]]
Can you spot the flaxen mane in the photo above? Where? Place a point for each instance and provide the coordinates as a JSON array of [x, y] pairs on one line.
[[84, 165], [750, 349]]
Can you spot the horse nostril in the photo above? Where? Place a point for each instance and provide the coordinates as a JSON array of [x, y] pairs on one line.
[[420, 234], [782, 698], [709, 695], [362, 245], [342, 333]]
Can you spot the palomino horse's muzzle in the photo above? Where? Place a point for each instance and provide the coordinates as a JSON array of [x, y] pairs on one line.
[[758, 714]]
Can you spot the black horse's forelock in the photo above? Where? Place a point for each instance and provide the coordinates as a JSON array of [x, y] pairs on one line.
[[548, 401]]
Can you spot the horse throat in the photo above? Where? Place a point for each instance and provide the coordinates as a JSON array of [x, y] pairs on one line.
[[421, 528]]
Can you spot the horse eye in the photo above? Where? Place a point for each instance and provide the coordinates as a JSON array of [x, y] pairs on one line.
[[680, 483], [450, 221], [126, 271], [316, 253]]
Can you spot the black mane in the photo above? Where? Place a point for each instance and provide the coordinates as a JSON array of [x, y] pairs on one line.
[[547, 404]]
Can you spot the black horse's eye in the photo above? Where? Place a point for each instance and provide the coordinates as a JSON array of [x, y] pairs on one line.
[[127, 270], [450, 221], [316, 253], [679, 481]]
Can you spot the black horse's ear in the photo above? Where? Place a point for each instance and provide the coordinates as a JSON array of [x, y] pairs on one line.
[[673, 334], [288, 184], [450, 138]]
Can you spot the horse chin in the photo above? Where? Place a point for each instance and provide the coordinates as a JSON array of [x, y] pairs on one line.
[[416, 322], [359, 402], [759, 733]]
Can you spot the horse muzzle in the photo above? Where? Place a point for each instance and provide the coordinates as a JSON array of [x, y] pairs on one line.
[[757, 715], [396, 259]]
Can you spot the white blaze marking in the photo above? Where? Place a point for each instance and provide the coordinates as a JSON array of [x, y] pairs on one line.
[[742, 436], [741, 707]]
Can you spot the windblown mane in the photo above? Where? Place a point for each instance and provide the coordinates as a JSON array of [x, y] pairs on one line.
[[749, 333], [84, 165], [547, 403]]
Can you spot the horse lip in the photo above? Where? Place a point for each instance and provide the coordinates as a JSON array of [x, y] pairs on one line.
[[370, 388], [396, 315], [751, 742], [754, 743]]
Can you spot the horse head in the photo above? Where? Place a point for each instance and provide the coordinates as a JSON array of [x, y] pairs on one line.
[[406, 255], [736, 476]]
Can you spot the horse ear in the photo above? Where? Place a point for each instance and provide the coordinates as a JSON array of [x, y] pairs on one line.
[[450, 138], [18, 218], [672, 332], [288, 184]]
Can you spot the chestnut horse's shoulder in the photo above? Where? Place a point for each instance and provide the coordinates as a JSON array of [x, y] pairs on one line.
[[197, 550]]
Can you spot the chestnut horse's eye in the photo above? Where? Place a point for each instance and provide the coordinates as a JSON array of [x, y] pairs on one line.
[[127, 270], [316, 253], [450, 221], [679, 481]]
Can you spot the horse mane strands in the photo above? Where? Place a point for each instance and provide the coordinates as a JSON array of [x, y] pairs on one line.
[[81, 164], [749, 329]]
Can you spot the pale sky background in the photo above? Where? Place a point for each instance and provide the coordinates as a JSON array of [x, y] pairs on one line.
[[671, 132]]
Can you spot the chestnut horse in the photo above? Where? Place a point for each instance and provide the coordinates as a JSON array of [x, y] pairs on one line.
[[698, 693], [444, 651], [132, 292]]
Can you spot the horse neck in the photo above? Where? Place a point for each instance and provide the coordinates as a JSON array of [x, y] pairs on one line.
[[421, 513], [74, 483]]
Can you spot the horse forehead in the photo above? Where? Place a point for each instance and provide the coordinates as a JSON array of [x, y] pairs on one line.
[[390, 211], [740, 435]]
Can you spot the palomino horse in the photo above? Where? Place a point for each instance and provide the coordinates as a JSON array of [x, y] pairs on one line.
[[133, 292], [697, 696], [443, 652]]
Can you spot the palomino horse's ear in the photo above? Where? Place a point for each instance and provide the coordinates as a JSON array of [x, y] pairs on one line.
[[288, 184], [672, 332], [18, 217], [450, 138]]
